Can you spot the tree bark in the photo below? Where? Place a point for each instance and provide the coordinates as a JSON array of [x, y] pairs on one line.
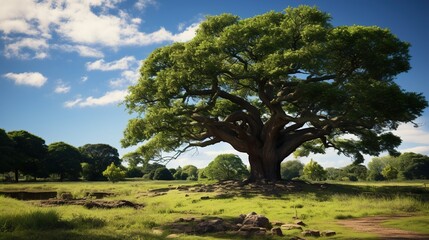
[[16, 175], [264, 168]]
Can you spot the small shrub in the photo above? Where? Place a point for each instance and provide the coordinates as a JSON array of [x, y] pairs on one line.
[[114, 173]]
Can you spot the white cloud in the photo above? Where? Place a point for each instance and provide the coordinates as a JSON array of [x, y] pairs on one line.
[[187, 34], [79, 23], [142, 4], [121, 64], [34, 79], [107, 99], [83, 51], [62, 87], [419, 149], [411, 134], [19, 49], [127, 78], [84, 78]]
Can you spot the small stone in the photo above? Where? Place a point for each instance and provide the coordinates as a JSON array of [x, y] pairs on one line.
[[278, 224], [328, 233], [311, 233], [289, 226], [276, 231], [299, 222], [205, 198]]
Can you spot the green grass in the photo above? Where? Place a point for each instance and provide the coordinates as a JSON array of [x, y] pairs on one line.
[[320, 208], [418, 224]]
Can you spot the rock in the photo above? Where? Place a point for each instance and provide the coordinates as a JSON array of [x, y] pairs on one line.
[[205, 198], [328, 233], [252, 230], [276, 231], [311, 233], [253, 219], [277, 224], [210, 226], [301, 223], [290, 226]]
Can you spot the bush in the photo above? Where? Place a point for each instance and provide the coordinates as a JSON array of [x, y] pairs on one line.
[[313, 171], [134, 172], [291, 169], [162, 174], [226, 167], [114, 173]]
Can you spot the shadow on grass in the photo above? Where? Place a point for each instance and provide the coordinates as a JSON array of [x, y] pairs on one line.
[[72, 235]]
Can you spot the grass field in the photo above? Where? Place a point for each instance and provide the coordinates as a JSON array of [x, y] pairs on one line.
[[320, 206]]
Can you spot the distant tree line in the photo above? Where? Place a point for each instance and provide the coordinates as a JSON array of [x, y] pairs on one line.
[[407, 166], [23, 154]]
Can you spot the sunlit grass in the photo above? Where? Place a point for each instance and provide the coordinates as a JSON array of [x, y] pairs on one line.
[[319, 208]]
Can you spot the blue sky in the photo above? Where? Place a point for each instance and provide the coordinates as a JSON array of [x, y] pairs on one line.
[[65, 65]]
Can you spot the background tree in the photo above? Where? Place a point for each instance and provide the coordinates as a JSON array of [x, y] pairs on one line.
[[291, 169], [273, 84], [314, 171], [30, 153], [114, 173], [335, 174], [133, 159], [162, 174], [191, 171], [356, 172], [7, 152], [99, 157], [226, 167], [64, 160], [389, 172], [375, 166]]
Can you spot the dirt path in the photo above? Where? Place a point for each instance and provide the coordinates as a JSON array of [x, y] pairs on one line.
[[373, 225]]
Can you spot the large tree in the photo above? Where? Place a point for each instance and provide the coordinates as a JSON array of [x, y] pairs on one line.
[[64, 160], [30, 153], [272, 84], [99, 157], [7, 152]]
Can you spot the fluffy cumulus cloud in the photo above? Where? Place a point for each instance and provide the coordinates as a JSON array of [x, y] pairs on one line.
[[27, 48], [108, 98], [62, 87], [33, 79], [121, 64], [415, 137], [30, 25]]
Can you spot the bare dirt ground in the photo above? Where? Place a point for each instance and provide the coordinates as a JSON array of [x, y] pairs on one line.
[[373, 225]]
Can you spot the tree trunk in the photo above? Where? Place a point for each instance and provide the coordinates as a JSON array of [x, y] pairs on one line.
[[16, 175], [264, 169]]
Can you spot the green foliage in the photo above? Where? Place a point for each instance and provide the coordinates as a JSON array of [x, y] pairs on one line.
[[313, 171], [408, 165], [134, 172], [191, 171], [87, 171], [99, 156], [291, 76], [7, 152], [30, 155], [389, 172], [162, 174], [291, 169], [64, 160], [114, 173], [226, 167]]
